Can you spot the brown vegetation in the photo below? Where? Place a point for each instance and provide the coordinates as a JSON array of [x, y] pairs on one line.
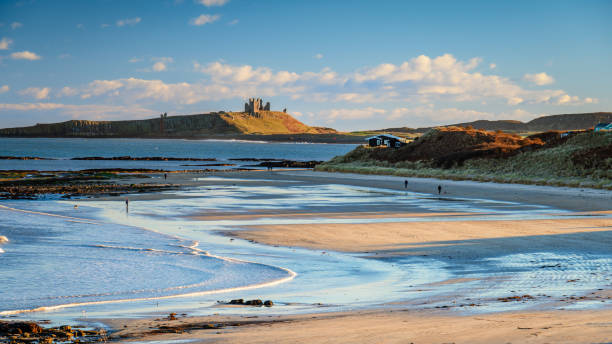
[[449, 146]]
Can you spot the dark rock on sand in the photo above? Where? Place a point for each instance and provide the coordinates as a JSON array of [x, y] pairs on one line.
[[149, 158], [31, 332], [290, 164], [19, 328], [256, 302], [209, 165], [515, 298]]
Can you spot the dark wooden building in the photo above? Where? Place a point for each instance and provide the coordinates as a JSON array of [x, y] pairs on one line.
[[388, 140]]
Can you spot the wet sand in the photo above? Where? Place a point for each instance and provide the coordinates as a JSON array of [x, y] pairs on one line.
[[567, 198], [457, 238], [379, 327], [452, 238]]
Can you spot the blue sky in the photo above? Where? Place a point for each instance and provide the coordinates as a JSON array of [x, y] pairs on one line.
[[349, 65]]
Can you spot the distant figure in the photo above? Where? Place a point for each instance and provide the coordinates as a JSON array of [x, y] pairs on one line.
[[127, 204], [439, 189], [406, 184], [165, 176], [76, 206]]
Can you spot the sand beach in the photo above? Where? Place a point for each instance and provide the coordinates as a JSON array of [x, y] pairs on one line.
[[486, 300]]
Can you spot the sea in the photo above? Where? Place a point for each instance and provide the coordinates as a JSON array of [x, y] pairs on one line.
[[60, 151]]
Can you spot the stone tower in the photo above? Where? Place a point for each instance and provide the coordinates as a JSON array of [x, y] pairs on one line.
[[255, 105]]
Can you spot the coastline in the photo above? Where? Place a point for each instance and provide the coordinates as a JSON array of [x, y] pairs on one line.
[[566, 198], [276, 138]]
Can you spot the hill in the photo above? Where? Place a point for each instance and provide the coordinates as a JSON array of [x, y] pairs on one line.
[[577, 121], [211, 125], [581, 159]]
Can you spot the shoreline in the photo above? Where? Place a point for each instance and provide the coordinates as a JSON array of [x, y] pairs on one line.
[[568, 198], [296, 138], [562, 197]]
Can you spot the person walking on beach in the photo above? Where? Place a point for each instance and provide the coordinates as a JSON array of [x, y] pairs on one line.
[[165, 176], [439, 189], [406, 184], [127, 204]]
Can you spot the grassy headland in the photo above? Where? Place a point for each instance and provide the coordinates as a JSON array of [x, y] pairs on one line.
[[582, 159]]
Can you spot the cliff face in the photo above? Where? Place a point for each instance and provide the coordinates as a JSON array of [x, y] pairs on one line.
[[202, 125]]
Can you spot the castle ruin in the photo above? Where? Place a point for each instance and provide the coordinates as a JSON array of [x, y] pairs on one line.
[[255, 105]]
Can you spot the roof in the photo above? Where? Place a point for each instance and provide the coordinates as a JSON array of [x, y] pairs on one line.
[[384, 136]]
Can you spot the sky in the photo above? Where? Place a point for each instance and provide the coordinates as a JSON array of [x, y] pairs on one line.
[[349, 65]]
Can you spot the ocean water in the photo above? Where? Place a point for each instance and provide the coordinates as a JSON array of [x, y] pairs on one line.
[[53, 257], [63, 149]]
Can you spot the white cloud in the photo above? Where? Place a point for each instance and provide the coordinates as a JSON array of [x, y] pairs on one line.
[[233, 22], [161, 63], [204, 19], [99, 87], [25, 55], [209, 3], [134, 60], [539, 79], [359, 113], [159, 67], [128, 21], [80, 26], [566, 99], [104, 26], [318, 56], [355, 98], [68, 92], [4, 89], [36, 92], [492, 66], [132, 89], [93, 111], [5, 43], [429, 115], [16, 25]]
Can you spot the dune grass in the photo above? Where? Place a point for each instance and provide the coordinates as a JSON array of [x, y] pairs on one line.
[[582, 161]]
